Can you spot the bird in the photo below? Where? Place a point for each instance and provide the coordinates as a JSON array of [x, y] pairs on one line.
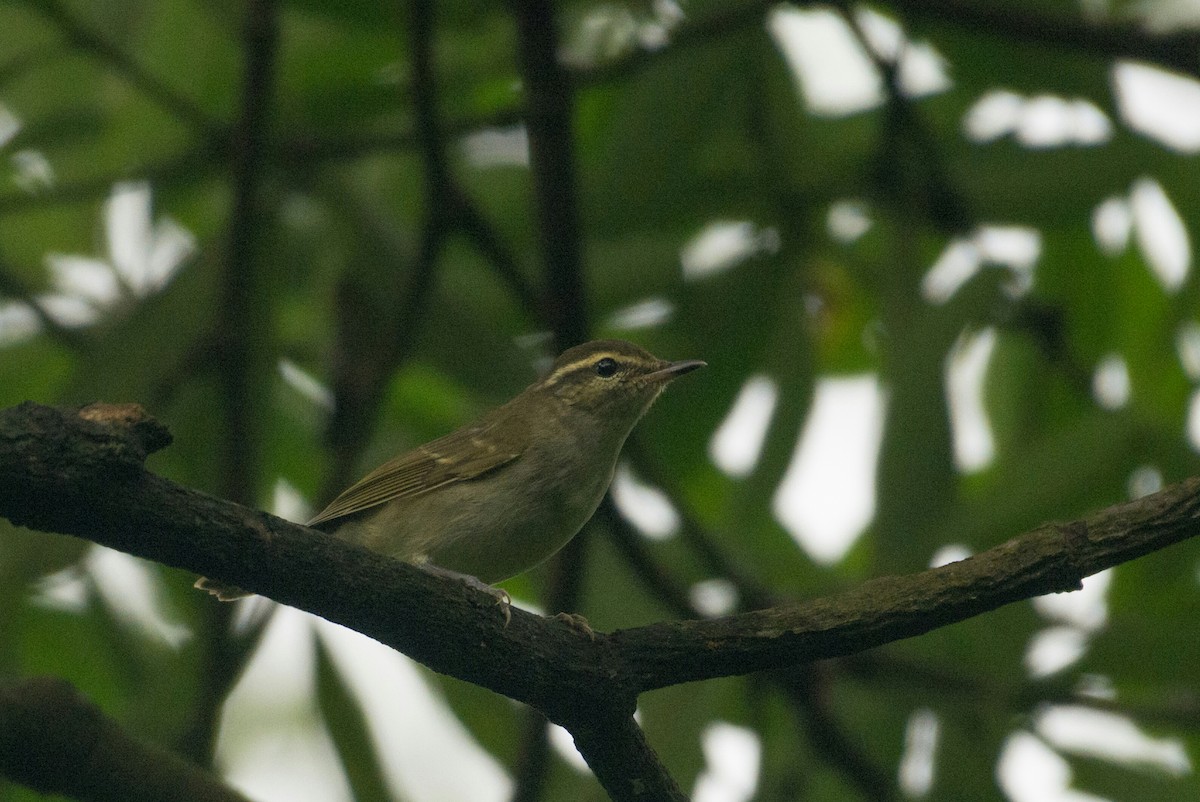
[[503, 493]]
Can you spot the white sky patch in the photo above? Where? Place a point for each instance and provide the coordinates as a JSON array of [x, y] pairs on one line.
[[920, 746], [1052, 649], [606, 32], [1017, 248], [1096, 686], [714, 597], [1161, 105], [1075, 616], [966, 369], [992, 116], [289, 503], [724, 244], [732, 756], [1144, 480], [425, 751], [922, 71], [1110, 736], [144, 254], [1110, 382], [611, 30], [1193, 420], [1044, 122], [127, 222], [1112, 223], [644, 314], [737, 442], [1030, 771], [142, 257], [32, 171], [64, 590], [1160, 233], [1041, 121], [1050, 121], [827, 495], [1090, 123], [655, 32], [272, 745], [498, 147], [950, 553], [1161, 18], [306, 384], [958, 262], [132, 589], [847, 220], [564, 745], [1086, 609], [835, 76], [18, 323], [645, 506], [68, 310], [10, 125], [89, 280], [1187, 345]]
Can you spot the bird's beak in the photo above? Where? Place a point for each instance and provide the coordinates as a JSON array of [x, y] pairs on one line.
[[672, 370]]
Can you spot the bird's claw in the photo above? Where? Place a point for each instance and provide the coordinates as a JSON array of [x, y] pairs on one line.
[[577, 622], [505, 602], [499, 594]]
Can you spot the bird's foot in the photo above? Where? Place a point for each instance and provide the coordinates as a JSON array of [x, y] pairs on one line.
[[499, 594], [577, 622]]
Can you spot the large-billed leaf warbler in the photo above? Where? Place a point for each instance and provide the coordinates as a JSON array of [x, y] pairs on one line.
[[503, 493]]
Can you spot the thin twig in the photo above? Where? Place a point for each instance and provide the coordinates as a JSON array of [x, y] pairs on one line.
[[90, 41], [532, 762], [243, 335], [548, 118], [549, 107], [193, 164], [1105, 40], [55, 741]]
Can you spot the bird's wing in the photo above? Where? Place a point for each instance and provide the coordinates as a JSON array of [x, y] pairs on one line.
[[461, 455]]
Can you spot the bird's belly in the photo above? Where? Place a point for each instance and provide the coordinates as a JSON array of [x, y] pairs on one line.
[[489, 535]]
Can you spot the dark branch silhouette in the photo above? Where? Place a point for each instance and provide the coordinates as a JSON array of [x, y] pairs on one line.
[[81, 472], [55, 741]]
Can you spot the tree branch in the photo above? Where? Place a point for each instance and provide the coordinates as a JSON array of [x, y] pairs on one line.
[[549, 105], [242, 334], [241, 329], [90, 41], [1061, 31], [1051, 559], [548, 112], [55, 741], [80, 472]]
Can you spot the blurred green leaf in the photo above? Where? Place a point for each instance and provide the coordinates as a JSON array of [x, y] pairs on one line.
[[691, 128]]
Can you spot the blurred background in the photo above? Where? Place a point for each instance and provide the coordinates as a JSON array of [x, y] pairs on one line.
[[937, 254]]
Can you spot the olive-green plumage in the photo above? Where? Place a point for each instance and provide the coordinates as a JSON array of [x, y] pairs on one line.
[[505, 492]]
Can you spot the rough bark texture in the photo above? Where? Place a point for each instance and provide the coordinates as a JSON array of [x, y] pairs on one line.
[[56, 742], [80, 472]]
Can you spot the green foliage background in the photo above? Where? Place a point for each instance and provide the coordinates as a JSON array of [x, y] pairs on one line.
[[708, 127]]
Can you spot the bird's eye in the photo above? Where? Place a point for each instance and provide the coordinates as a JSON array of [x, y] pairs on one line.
[[606, 367]]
